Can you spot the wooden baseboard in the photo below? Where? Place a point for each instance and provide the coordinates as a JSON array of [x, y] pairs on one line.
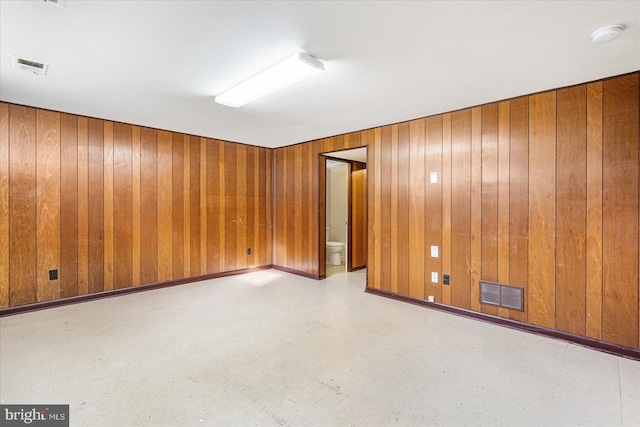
[[123, 291], [606, 347]]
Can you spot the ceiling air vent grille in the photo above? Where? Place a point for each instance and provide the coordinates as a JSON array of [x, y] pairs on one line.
[[61, 3], [28, 65]]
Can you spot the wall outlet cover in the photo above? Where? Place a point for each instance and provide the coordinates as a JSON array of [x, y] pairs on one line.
[[433, 177], [434, 277], [434, 252]]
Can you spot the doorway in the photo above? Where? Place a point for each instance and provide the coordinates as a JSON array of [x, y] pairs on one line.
[[343, 211]]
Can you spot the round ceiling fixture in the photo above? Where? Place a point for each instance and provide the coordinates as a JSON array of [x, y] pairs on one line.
[[607, 33]]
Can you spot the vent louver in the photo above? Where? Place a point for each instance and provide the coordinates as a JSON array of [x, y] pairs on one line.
[[28, 65], [60, 3], [506, 296]]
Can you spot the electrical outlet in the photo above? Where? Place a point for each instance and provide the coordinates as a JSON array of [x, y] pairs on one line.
[[53, 274], [434, 252], [434, 277], [445, 279], [248, 251], [433, 177], [431, 299]]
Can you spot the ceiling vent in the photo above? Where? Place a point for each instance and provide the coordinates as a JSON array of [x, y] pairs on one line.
[[61, 3], [35, 67]]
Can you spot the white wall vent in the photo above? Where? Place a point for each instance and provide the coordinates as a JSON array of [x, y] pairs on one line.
[[28, 65]]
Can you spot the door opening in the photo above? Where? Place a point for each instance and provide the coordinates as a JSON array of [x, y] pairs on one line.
[[343, 211]]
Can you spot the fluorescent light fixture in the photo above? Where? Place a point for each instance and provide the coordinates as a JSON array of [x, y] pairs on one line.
[[283, 74]]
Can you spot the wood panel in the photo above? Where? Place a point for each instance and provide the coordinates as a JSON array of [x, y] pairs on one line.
[[270, 211], [149, 206], [433, 204], [542, 209], [445, 250], [403, 208], [203, 206], [416, 208], [385, 208], [241, 206], [165, 206], [307, 200], [122, 207], [298, 258], [230, 240], [83, 205], [620, 210], [136, 226], [264, 213], [519, 199], [377, 211], [504, 133], [215, 208], [394, 206], [96, 206], [195, 206], [290, 208], [4, 205], [571, 194], [48, 202], [186, 208], [279, 241], [22, 205], [177, 214], [108, 205], [594, 212], [69, 201], [489, 213], [222, 166], [461, 209], [476, 206]]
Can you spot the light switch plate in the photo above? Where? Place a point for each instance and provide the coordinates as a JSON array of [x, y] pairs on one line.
[[434, 252], [434, 277], [433, 177]]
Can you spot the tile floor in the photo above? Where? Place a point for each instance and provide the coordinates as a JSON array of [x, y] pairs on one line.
[[331, 270], [270, 348]]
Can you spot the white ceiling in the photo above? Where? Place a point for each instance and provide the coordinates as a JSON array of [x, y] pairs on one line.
[[160, 63]]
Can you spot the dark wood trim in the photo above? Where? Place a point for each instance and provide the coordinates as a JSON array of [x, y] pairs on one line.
[[349, 248], [615, 349], [358, 166], [123, 291], [322, 215], [299, 273]]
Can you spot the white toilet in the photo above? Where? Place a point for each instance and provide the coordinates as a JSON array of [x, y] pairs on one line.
[[333, 250]]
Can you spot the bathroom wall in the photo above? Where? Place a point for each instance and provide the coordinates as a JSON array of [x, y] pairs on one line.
[[337, 204]]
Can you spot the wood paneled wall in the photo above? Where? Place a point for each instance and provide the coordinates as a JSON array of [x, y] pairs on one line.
[[539, 191], [111, 205]]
